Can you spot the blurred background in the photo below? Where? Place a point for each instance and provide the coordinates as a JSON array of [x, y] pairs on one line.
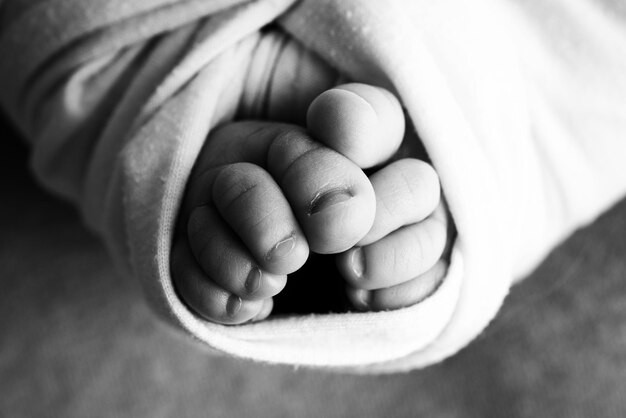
[[77, 340]]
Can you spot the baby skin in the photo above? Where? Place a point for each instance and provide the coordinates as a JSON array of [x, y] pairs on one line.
[[263, 195]]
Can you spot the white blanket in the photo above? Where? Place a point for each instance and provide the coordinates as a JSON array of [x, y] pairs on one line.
[[521, 106]]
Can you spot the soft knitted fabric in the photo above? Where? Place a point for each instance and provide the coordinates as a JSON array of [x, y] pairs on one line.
[[521, 106]]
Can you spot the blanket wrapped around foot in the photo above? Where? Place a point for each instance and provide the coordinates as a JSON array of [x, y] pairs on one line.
[[521, 106]]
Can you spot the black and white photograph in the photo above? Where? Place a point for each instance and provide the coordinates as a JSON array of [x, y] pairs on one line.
[[313, 208]]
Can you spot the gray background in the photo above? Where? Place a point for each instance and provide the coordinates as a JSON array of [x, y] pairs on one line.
[[77, 340]]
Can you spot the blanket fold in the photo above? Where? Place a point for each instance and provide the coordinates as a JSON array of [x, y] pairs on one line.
[[520, 105]]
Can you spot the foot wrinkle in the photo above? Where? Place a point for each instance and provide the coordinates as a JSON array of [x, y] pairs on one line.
[[245, 191], [298, 158]]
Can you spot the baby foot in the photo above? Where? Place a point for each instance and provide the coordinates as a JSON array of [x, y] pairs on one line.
[[260, 196], [402, 259]]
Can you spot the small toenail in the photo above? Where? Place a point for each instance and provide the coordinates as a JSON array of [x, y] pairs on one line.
[[362, 299], [329, 198], [253, 282], [233, 305], [283, 248], [357, 262]]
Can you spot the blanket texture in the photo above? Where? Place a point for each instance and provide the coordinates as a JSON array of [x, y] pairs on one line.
[[521, 106]]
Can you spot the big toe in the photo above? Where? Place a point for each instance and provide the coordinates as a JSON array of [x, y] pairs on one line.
[[331, 197], [364, 123]]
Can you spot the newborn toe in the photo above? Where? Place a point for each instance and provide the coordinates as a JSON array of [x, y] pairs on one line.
[[364, 123], [407, 191], [396, 258], [331, 197], [203, 295], [223, 257], [253, 205], [402, 295]]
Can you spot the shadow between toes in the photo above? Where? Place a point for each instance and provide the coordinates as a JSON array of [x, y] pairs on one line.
[[316, 288]]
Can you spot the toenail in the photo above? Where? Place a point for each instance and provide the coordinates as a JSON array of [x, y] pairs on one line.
[[283, 248], [357, 262], [233, 305], [362, 299], [253, 282], [324, 200]]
